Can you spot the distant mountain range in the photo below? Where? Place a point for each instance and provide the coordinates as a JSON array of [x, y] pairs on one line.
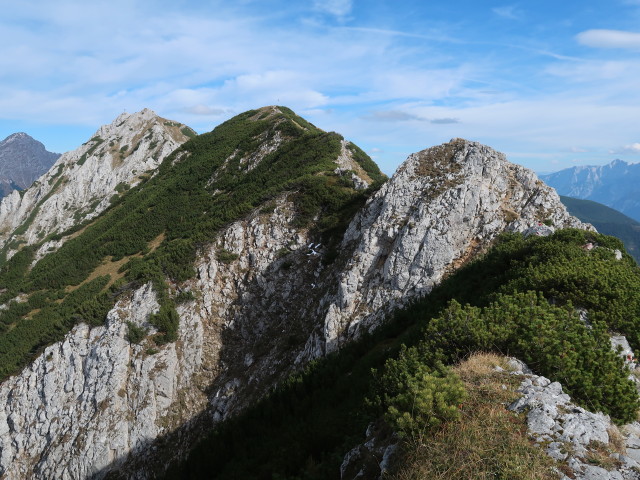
[[22, 160], [607, 221], [616, 185]]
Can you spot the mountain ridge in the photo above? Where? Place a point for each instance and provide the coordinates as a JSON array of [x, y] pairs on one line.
[[614, 185], [249, 252]]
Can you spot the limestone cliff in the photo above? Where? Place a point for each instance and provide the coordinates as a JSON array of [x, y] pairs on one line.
[[266, 299]]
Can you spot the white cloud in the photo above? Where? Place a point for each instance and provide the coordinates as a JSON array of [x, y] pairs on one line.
[[422, 84], [510, 12], [610, 39], [339, 8], [633, 149], [600, 71]]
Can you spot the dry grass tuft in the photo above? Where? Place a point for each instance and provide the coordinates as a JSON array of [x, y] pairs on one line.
[[616, 440], [600, 454], [488, 442]]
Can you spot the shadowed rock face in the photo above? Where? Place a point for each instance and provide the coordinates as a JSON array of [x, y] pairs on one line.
[[95, 403], [22, 160]]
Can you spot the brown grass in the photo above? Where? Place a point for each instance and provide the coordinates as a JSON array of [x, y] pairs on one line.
[[155, 243], [107, 267], [600, 454], [489, 442], [111, 268], [510, 215], [80, 232]]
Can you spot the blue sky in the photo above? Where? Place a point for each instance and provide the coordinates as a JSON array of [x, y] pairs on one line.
[[551, 84]]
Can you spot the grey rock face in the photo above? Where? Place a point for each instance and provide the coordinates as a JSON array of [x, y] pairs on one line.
[[81, 183], [256, 318], [552, 417], [22, 160], [87, 401]]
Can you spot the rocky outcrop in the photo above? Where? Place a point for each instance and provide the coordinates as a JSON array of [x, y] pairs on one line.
[[262, 304], [82, 182], [442, 206], [22, 160], [572, 435], [375, 457]]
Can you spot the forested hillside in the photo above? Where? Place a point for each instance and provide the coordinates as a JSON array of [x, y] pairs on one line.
[[607, 221], [521, 299]]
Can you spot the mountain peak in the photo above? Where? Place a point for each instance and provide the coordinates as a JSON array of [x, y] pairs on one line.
[[145, 113], [21, 138], [118, 155], [617, 163], [22, 160], [17, 136]]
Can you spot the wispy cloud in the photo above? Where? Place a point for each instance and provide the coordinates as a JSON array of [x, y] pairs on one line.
[[610, 39], [577, 150], [510, 12], [338, 8], [402, 116], [205, 110], [444, 121], [393, 116], [435, 36]]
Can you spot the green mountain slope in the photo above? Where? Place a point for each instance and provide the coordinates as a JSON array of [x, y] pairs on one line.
[[518, 299], [607, 221], [153, 231]]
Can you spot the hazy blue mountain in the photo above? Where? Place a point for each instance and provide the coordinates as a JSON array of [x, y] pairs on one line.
[[607, 221], [22, 160], [616, 185]]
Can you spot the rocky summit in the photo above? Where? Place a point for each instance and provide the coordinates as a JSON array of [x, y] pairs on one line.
[[237, 258], [83, 182], [22, 160]]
